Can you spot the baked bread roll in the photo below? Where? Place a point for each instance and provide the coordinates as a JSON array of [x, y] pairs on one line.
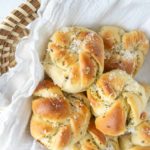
[[139, 139], [124, 50], [147, 110], [147, 89], [75, 58], [58, 120], [96, 140], [118, 102], [141, 136], [139, 148]]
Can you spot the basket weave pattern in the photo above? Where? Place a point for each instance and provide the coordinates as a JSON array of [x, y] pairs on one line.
[[12, 29]]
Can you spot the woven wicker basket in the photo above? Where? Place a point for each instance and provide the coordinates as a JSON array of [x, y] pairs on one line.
[[12, 29]]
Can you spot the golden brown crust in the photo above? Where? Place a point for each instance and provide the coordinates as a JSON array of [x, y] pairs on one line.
[[124, 50], [138, 139], [111, 83], [116, 62], [75, 58], [92, 130], [95, 140], [147, 89], [125, 141], [135, 39], [111, 35], [59, 120], [44, 84], [78, 120], [96, 48], [118, 102], [87, 72], [64, 137], [47, 89], [51, 109], [141, 136], [38, 127], [139, 148], [114, 121], [86, 143]]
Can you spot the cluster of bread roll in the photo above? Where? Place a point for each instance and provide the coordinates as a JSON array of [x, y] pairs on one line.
[[91, 100]]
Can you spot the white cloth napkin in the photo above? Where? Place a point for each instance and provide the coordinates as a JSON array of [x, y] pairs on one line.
[[17, 85]]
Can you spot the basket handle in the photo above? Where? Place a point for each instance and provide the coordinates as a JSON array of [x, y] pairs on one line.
[[12, 29]]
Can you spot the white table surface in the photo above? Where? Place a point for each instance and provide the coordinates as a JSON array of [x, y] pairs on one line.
[[6, 6]]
